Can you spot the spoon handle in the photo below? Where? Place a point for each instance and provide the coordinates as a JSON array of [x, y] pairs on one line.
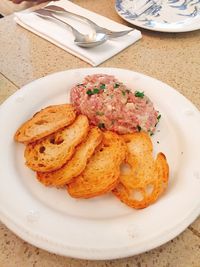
[[62, 10], [46, 13]]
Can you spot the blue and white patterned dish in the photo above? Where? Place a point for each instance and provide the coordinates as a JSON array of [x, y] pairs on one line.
[[161, 15]]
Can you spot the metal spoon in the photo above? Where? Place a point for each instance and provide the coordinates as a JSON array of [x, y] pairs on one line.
[[97, 28], [82, 40]]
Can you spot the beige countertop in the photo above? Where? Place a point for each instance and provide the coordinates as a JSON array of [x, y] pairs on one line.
[[171, 58]]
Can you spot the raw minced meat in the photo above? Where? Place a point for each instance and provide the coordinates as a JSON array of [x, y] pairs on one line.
[[109, 104]]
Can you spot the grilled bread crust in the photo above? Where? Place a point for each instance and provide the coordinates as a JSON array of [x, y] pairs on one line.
[[45, 122], [102, 171], [76, 164], [53, 151]]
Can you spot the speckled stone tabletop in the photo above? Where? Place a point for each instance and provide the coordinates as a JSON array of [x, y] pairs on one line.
[[173, 58]]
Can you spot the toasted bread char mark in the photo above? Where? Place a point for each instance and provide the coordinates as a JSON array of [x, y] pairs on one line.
[[76, 164], [146, 179], [102, 171], [53, 151], [45, 122]]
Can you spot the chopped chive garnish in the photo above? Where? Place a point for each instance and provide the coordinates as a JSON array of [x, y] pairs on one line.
[[80, 84], [89, 92], [95, 91], [99, 113], [139, 94], [139, 128], [102, 86], [159, 116], [101, 125], [123, 93], [116, 85]]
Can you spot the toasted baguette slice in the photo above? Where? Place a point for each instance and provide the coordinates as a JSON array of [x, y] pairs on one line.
[[76, 164], [45, 122], [102, 171], [139, 144], [53, 151], [144, 179]]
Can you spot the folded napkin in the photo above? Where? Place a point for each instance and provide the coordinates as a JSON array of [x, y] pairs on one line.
[[62, 36]]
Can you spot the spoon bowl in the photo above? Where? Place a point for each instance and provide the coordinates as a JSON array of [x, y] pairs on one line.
[[91, 40], [82, 40]]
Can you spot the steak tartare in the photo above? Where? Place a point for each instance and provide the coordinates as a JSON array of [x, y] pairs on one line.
[[110, 105]]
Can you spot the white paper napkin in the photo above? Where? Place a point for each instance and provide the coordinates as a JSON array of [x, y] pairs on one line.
[[62, 36]]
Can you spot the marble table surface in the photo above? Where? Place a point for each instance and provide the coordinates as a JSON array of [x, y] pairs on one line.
[[173, 58]]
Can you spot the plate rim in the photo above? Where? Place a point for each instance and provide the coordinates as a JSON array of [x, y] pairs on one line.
[[87, 254]]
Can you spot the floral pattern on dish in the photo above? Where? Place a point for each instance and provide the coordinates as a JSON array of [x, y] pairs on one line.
[[161, 15]]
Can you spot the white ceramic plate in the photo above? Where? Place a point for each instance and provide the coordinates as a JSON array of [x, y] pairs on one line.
[[161, 15], [102, 227]]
